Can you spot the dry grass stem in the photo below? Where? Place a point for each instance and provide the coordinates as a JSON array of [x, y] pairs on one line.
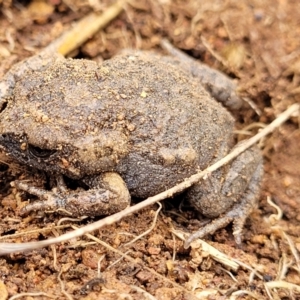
[[38, 294], [62, 286], [253, 271], [274, 218], [118, 260], [237, 294], [229, 274], [149, 230], [217, 56], [143, 292], [283, 285], [293, 250], [70, 220], [55, 266], [174, 247], [99, 265], [213, 252], [251, 103], [28, 232]]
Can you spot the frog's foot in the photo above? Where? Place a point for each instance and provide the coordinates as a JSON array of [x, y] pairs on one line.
[[108, 195], [237, 214]]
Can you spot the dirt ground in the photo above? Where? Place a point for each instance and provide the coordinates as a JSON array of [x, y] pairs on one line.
[[255, 42]]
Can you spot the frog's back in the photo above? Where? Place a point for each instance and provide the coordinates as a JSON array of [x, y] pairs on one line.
[[175, 126]]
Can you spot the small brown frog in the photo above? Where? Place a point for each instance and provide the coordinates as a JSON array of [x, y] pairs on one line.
[[135, 125]]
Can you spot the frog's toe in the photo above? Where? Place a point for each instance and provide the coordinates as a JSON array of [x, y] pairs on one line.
[[244, 204], [210, 228], [50, 199], [237, 214], [108, 196]]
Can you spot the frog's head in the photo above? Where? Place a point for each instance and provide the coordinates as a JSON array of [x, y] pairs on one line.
[[87, 155], [55, 121]]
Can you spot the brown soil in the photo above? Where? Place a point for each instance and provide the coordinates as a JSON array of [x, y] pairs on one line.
[[256, 43]]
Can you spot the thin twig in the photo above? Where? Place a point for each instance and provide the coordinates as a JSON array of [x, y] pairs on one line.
[[22, 295], [7, 248]]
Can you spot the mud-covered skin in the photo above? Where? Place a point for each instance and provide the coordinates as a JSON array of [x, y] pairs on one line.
[[136, 117]]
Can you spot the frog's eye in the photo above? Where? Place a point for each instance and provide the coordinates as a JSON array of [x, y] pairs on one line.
[[39, 152], [3, 105]]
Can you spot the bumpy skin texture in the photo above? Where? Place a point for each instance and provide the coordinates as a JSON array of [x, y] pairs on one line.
[[134, 115]]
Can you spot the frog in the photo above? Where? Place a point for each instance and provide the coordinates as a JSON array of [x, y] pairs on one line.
[[134, 125]]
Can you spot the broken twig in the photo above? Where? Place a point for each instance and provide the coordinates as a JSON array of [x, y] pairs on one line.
[[84, 29]]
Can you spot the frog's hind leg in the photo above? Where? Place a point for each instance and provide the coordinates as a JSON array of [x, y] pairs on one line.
[[239, 212], [218, 84]]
